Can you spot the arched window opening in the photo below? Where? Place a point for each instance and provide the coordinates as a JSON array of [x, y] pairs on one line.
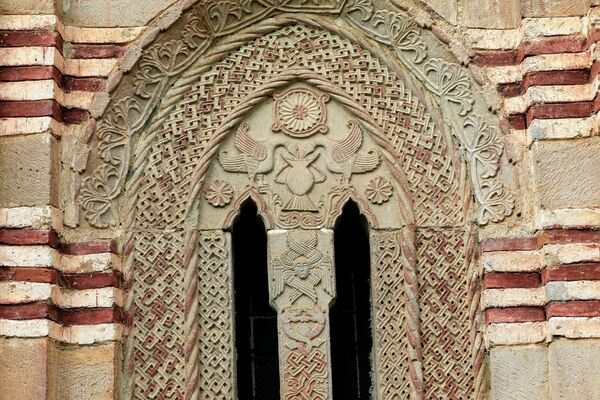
[[350, 318], [255, 321]]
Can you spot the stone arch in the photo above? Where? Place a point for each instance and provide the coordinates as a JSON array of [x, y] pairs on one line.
[[129, 152]]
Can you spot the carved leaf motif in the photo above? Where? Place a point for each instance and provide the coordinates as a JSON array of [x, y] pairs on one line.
[[496, 203], [114, 130], [483, 144], [402, 32], [195, 30], [451, 83], [365, 7], [219, 11], [96, 195]]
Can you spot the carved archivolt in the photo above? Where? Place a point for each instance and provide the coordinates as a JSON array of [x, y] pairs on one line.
[[448, 83], [299, 105]]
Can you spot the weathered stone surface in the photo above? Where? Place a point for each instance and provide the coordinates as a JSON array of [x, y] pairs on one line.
[[519, 372], [554, 8], [573, 367], [28, 170], [567, 173], [81, 372], [23, 368], [448, 9], [109, 13], [499, 14], [16, 7]]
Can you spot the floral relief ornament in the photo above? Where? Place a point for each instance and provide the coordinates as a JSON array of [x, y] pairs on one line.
[[300, 112], [219, 193], [379, 190]]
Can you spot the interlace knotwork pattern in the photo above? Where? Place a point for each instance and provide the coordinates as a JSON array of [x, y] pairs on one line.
[[444, 310], [183, 137], [158, 309], [215, 308]]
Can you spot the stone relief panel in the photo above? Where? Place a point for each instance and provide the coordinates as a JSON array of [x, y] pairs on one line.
[[444, 309], [211, 116], [289, 111], [414, 47], [424, 155], [301, 155], [302, 286], [157, 333]]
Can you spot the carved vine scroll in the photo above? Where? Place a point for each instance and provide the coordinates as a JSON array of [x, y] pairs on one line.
[[161, 63], [451, 86]]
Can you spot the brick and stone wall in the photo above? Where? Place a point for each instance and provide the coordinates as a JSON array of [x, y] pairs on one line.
[[61, 286]]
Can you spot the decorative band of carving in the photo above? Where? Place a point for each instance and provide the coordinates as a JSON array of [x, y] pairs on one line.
[[398, 357], [413, 315], [474, 278], [447, 81], [236, 116], [213, 350]]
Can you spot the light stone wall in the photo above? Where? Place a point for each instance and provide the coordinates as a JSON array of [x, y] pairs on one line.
[[61, 288]]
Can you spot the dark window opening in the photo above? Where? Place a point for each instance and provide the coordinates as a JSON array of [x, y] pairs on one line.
[[351, 332], [255, 320]]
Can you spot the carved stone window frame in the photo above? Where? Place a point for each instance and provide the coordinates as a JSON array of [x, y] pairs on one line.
[[108, 191]]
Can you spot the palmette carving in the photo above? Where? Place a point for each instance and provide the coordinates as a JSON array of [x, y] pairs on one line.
[[451, 85], [170, 149]]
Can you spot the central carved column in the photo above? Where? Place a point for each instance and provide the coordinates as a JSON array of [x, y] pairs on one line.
[[301, 288]]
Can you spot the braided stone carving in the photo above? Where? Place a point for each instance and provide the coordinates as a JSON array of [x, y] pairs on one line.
[[302, 285], [215, 308], [165, 334]]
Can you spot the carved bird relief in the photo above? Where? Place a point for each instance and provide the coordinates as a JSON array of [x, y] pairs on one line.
[[344, 158], [299, 175], [302, 267], [251, 154]]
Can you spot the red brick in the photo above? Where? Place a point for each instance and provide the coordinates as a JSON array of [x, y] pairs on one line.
[[98, 51], [584, 308], [83, 84], [31, 108], [566, 236], [85, 316], [82, 248], [91, 281], [514, 314], [572, 272], [24, 311], [544, 78], [554, 45], [74, 115], [30, 38], [29, 274], [496, 58], [27, 237], [518, 121], [510, 244], [502, 280], [30, 73], [576, 109]]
